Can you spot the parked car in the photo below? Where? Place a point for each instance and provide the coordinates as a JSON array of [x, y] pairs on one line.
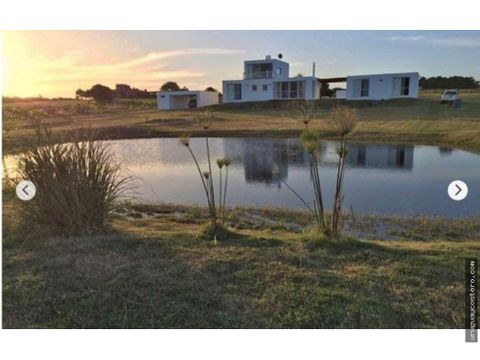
[[450, 96]]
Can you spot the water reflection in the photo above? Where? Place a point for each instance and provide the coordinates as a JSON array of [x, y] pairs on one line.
[[387, 179], [259, 156], [380, 156]]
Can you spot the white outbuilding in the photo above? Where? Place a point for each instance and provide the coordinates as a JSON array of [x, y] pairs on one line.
[[177, 100], [382, 86]]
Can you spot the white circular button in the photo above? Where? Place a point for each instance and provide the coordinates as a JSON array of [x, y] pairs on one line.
[[457, 190], [26, 190]]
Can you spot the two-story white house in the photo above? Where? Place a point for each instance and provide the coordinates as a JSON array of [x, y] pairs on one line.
[[269, 79]]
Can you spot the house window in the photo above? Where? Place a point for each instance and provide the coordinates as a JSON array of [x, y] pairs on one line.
[[293, 89], [361, 87], [290, 90], [301, 89], [234, 91], [284, 90], [254, 87], [264, 87], [401, 86], [365, 86], [405, 86]]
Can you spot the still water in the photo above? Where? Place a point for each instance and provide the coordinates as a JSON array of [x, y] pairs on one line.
[[381, 179], [384, 179]]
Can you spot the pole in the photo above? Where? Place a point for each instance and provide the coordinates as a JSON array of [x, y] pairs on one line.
[[314, 81]]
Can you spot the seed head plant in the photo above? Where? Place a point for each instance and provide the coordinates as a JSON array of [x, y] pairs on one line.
[[216, 216], [304, 110], [343, 121]]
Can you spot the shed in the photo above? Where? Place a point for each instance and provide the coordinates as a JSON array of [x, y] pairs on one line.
[[176, 100]]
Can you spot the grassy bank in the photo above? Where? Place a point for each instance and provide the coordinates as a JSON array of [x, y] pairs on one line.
[[154, 269], [423, 121]]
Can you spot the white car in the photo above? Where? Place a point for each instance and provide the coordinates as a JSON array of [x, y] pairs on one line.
[[450, 96]]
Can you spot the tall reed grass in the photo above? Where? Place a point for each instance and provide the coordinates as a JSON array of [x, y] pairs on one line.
[[78, 184]]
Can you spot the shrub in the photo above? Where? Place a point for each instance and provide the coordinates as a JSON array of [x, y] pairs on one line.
[[77, 184]]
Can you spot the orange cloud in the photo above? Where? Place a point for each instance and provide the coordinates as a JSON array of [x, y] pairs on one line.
[[27, 75]]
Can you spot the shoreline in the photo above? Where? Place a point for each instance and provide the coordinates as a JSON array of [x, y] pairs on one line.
[[422, 121], [124, 133], [361, 226]]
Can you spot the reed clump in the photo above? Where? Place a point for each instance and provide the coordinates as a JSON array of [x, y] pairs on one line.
[[78, 184]]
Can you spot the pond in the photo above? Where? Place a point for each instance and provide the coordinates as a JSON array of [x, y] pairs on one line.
[[382, 179]]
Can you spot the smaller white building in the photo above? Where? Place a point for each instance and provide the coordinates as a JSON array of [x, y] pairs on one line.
[[178, 100], [382, 86]]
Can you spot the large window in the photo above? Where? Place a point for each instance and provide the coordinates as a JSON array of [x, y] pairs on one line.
[[401, 86], [290, 90], [365, 87], [361, 87], [234, 91], [259, 71], [405, 85]]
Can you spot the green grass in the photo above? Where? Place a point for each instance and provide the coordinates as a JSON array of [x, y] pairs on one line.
[[154, 270], [407, 121]]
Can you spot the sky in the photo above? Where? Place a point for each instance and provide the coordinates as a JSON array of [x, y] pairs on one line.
[[57, 63]]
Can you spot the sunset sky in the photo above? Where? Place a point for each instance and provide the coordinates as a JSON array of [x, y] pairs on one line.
[[56, 63]]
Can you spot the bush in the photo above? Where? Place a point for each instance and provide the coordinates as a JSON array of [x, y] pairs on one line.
[[77, 185]]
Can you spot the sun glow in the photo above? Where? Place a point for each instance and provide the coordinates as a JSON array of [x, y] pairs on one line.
[[56, 65], [22, 75]]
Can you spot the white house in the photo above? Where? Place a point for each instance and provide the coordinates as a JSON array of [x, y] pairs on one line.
[[382, 86], [269, 79], [174, 100]]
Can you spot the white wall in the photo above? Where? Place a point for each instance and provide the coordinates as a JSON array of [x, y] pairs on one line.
[[312, 89], [163, 101], [174, 100], [341, 94], [248, 94], [381, 86], [206, 98]]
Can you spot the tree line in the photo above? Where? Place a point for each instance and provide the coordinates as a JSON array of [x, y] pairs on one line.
[[102, 93], [452, 82]]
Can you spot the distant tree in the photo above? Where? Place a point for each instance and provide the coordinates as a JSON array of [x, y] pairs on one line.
[[210, 88], [452, 82], [184, 88], [100, 93], [80, 94], [170, 86], [325, 90]]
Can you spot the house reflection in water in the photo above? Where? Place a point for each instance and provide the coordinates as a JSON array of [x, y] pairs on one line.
[[380, 156], [261, 156]]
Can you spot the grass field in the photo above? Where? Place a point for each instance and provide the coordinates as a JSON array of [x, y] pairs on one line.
[[154, 269], [423, 121]]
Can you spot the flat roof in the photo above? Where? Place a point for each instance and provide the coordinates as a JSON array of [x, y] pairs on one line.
[[265, 60], [332, 80], [386, 74], [186, 93]]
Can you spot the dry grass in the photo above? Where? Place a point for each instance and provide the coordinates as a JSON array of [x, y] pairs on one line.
[[155, 271], [409, 121]]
